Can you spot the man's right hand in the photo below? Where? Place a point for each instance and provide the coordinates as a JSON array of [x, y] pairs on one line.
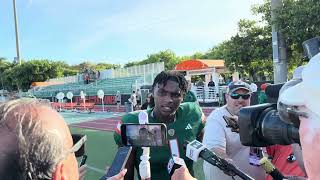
[[182, 173], [222, 154], [119, 176]]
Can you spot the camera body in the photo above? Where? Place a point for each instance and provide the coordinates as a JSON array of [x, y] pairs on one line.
[[261, 126], [274, 123]]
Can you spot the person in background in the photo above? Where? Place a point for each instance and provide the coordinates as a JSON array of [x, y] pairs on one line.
[[148, 103], [138, 95], [133, 100], [222, 140], [37, 143], [190, 96], [118, 99], [262, 97], [211, 83]]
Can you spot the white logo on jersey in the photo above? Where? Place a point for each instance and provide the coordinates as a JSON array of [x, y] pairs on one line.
[[188, 127]]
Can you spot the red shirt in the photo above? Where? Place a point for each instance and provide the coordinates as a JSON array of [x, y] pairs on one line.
[[280, 154]]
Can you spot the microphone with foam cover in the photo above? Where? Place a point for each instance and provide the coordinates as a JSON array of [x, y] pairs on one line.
[[270, 169]]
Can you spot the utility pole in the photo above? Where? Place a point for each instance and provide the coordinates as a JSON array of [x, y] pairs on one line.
[[280, 65], [17, 33]]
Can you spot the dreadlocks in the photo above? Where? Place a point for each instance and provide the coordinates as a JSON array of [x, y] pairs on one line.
[[165, 76]]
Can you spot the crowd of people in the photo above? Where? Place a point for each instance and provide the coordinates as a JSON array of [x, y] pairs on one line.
[[38, 143], [90, 75]]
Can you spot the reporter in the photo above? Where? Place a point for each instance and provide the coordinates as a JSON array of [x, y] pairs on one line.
[[308, 103], [36, 143]]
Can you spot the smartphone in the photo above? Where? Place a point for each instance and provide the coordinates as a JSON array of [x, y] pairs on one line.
[[144, 135], [119, 162], [232, 123], [83, 160], [75, 139]]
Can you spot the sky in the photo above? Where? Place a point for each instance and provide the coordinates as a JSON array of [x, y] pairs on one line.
[[117, 31]]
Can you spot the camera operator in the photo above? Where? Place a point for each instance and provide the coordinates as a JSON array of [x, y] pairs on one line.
[[36, 143], [222, 140], [284, 158], [307, 103]]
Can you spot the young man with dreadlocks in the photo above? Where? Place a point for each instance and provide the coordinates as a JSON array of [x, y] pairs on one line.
[[184, 121]]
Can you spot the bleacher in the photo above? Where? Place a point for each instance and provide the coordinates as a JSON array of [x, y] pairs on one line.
[[109, 86]]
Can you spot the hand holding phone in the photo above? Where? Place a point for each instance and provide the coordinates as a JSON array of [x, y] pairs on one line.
[[119, 162]]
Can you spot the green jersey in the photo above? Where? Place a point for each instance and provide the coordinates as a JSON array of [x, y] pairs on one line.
[[190, 97], [188, 125]]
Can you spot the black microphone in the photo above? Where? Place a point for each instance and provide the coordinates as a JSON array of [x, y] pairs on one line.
[[195, 149], [174, 163], [273, 90]]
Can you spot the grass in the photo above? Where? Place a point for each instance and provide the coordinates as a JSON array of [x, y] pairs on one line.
[[101, 149]]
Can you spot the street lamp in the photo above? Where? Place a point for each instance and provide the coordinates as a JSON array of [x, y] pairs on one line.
[[17, 33]]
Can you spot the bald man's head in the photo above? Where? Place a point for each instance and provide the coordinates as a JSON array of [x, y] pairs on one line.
[[41, 140]]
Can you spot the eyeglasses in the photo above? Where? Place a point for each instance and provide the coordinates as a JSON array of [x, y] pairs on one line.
[[237, 96]]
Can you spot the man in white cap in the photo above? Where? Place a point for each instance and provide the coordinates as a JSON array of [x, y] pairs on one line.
[[306, 96], [223, 140]]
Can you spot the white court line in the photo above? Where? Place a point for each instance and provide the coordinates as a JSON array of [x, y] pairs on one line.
[[96, 169]]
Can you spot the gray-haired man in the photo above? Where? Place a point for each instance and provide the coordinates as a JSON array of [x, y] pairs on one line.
[[35, 143]]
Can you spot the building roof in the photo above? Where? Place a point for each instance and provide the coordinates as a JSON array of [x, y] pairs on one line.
[[195, 64]]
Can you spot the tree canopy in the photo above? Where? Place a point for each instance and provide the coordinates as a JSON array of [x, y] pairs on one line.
[[249, 51], [20, 77]]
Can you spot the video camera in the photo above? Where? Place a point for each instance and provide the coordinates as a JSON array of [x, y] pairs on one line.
[[274, 123]]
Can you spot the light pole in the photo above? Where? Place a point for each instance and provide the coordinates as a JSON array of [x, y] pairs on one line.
[[280, 65], [17, 33]]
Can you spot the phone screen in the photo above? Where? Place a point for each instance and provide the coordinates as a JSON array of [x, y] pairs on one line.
[[144, 135], [119, 162]]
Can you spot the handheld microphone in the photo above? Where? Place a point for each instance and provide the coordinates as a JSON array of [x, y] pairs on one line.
[[174, 163], [144, 166], [270, 169], [195, 149]]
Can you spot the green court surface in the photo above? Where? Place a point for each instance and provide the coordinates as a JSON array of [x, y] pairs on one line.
[[78, 117], [101, 150]]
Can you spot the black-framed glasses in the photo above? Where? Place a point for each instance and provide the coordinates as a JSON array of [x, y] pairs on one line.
[[237, 96]]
